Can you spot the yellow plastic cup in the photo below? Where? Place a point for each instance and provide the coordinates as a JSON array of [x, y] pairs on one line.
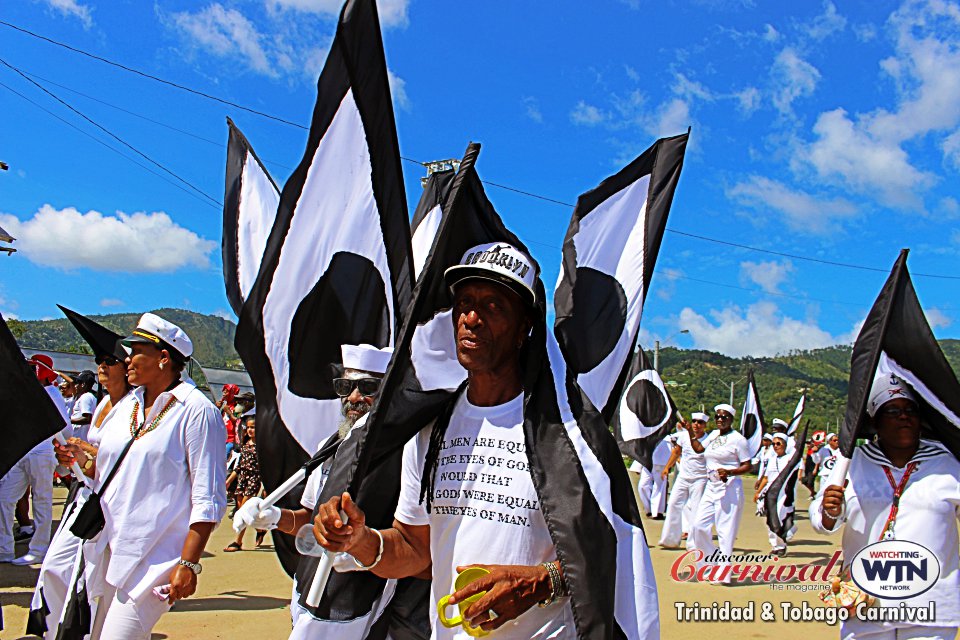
[[464, 578]]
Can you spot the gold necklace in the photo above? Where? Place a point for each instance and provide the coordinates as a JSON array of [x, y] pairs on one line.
[[153, 425]]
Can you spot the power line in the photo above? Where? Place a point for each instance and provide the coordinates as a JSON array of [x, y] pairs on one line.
[[108, 132], [151, 77], [411, 160], [101, 142]]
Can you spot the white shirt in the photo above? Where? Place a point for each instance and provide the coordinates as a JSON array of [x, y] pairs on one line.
[[45, 447], [485, 510], [661, 453], [172, 477], [726, 452], [826, 458], [928, 515], [85, 404], [693, 465]]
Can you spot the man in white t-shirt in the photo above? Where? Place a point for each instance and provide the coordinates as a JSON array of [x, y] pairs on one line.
[[84, 405], [826, 459], [481, 506], [691, 481]]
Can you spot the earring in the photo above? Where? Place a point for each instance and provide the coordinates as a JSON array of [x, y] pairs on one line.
[[161, 366]]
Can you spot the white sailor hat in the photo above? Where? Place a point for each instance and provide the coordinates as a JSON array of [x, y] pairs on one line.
[[498, 262], [777, 422], [366, 357], [830, 435], [766, 436], [780, 436], [152, 329], [699, 417], [887, 387], [726, 407]]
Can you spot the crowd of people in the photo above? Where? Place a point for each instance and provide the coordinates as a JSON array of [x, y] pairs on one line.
[[153, 455]]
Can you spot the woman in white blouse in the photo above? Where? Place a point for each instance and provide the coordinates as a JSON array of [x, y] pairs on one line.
[[61, 561], [168, 492], [927, 478]]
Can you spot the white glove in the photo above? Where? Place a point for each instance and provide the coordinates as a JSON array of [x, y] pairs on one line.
[[253, 515]]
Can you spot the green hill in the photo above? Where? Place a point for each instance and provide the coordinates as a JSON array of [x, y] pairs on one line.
[[212, 336], [694, 377]]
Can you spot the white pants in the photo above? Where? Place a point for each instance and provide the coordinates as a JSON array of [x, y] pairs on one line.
[[651, 488], [681, 509], [117, 618], [874, 631], [721, 507], [36, 471]]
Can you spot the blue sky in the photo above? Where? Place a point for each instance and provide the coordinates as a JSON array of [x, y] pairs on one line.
[[820, 130]]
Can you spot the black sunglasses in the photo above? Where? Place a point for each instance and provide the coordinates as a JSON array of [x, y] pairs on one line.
[[110, 361], [896, 412], [723, 416], [369, 387]]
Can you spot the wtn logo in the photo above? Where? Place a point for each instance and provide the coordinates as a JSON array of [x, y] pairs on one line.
[[895, 569], [902, 570]]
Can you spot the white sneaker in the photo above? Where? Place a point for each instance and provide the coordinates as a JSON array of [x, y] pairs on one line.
[[27, 559]]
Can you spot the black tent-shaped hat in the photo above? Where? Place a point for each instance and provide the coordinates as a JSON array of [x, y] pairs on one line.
[[103, 341]]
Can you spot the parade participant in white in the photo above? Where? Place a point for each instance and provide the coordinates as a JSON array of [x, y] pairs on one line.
[[481, 514], [60, 564], [168, 493], [658, 478], [691, 481], [727, 457], [777, 464], [781, 426], [826, 458], [84, 405], [34, 470], [763, 457], [928, 478]]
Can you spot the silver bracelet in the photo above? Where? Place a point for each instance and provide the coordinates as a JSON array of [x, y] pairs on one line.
[[840, 517], [557, 587], [376, 560]]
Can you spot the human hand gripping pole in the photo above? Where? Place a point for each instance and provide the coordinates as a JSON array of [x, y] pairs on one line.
[[74, 466]]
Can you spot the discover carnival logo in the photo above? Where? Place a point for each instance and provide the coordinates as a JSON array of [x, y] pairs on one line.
[[895, 569]]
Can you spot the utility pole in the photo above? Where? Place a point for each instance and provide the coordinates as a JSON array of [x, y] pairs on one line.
[[656, 349]]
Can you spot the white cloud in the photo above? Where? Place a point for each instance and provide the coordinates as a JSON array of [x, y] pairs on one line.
[[759, 330], [768, 275], [226, 315], [227, 32], [135, 243], [398, 91], [937, 319], [748, 99], [393, 13], [672, 117], [667, 282], [586, 114], [951, 149], [801, 211], [865, 32], [867, 151], [770, 34], [826, 24], [72, 9], [793, 77], [111, 302], [532, 109]]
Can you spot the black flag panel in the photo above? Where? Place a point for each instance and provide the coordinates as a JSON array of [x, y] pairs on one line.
[[751, 420], [249, 209], [781, 496], [426, 218], [30, 417], [609, 254], [576, 467], [337, 266], [645, 415], [896, 339]]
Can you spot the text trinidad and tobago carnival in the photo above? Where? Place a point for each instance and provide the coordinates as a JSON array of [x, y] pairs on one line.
[[743, 568]]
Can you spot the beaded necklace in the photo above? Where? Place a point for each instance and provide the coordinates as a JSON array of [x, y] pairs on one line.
[[137, 433]]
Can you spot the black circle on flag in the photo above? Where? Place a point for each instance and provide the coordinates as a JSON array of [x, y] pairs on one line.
[[646, 400], [750, 426], [348, 305], [590, 334]]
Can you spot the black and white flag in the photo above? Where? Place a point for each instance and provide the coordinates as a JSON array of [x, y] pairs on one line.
[[426, 218], [249, 210], [337, 266], [797, 415], [751, 418], [29, 417], [896, 339], [646, 413], [609, 254], [576, 468], [780, 497]]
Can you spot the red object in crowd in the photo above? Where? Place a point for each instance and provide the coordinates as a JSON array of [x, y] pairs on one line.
[[43, 366]]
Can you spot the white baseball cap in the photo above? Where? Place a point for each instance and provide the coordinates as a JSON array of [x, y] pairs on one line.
[[152, 329], [498, 262], [366, 357]]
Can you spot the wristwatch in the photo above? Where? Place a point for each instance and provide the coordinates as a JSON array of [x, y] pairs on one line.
[[193, 566]]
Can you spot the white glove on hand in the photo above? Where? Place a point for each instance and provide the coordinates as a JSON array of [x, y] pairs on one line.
[[249, 515]]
